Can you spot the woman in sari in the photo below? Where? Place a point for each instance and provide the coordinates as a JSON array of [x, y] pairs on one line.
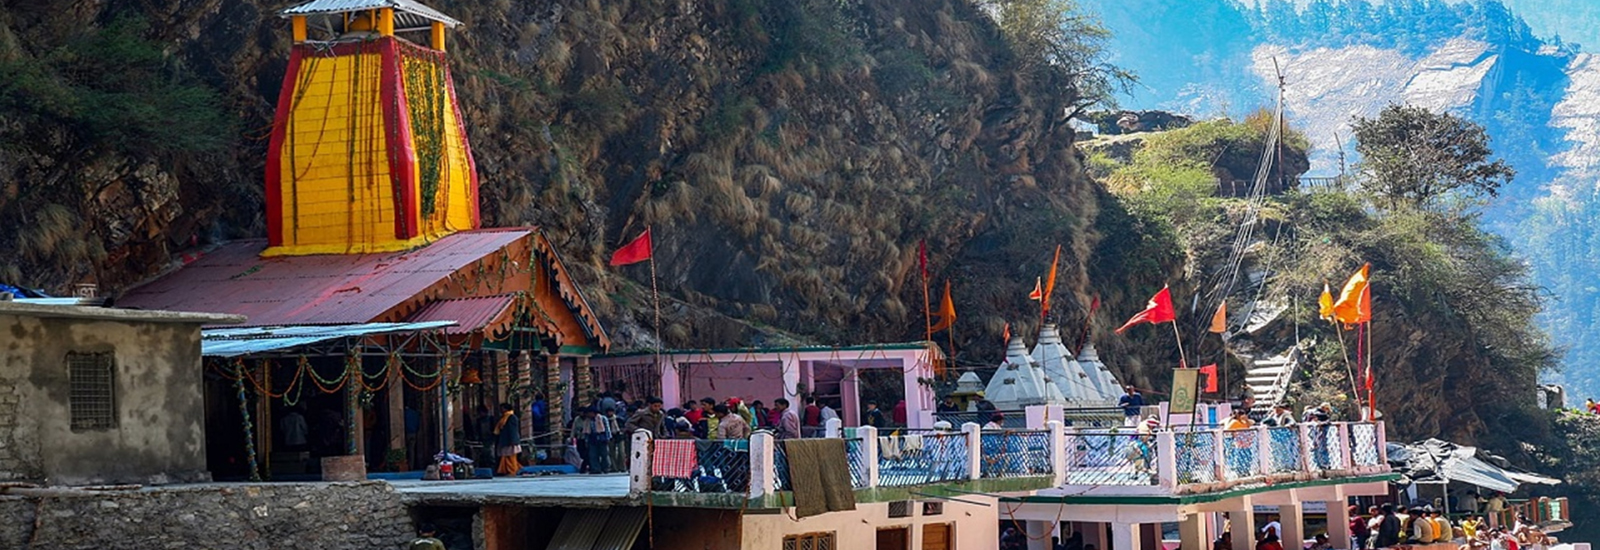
[[508, 441]]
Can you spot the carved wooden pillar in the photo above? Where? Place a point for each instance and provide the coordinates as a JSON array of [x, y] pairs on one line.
[[583, 379], [524, 392], [555, 395]]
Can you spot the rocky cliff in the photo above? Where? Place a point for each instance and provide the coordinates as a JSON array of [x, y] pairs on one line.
[[790, 156]]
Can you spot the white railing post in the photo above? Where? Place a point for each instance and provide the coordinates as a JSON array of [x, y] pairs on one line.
[[869, 453], [1263, 450], [1344, 446], [1383, 444], [1219, 456], [1167, 459], [1306, 462], [833, 428], [1058, 452], [639, 463], [974, 434], [763, 472]]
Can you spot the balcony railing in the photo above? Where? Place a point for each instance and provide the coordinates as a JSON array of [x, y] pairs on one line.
[[1186, 461]]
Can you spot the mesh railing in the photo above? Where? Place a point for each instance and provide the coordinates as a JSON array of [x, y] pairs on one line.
[[856, 456], [1013, 420], [694, 466], [780, 467], [1240, 454], [1284, 443], [1111, 458], [1197, 459], [1327, 451], [1015, 453], [915, 459], [1364, 444]]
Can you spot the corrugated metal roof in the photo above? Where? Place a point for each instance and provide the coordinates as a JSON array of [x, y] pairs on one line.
[[486, 313], [598, 529], [401, 7], [332, 289], [234, 342]]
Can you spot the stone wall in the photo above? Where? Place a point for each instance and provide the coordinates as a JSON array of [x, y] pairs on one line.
[[278, 516]]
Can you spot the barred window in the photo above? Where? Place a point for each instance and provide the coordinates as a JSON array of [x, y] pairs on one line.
[[900, 509], [809, 541], [932, 508], [92, 378]]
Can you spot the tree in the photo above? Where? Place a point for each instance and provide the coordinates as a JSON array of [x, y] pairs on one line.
[[1054, 40], [1413, 156]]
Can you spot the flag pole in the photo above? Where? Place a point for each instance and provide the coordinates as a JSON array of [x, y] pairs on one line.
[[1355, 388], [1372, 399], [1183, 361], [655, 295]]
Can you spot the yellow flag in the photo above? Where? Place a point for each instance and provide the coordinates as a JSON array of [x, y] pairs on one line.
[[1325, 303], [1355, 302], [1219, 322]]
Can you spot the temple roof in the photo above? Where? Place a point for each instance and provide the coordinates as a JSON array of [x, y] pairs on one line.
[[407, 13]]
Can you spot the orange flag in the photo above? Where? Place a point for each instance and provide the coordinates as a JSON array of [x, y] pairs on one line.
[[1050, 282], [947, 311], [1355, 302], [1219, 322], [1038, 292], [1005, 335], [1325, 303]]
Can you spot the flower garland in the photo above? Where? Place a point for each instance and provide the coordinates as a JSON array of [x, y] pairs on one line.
[[249, 429]]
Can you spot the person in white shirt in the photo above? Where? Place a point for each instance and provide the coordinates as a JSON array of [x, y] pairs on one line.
[[996, 422], [1281, 416], [828, 414], [1273, 528]]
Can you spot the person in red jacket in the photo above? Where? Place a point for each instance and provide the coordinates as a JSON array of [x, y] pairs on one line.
[[811, 421], [900, 413]]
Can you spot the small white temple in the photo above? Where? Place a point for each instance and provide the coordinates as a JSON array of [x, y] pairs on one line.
[[1080, 386], [1110, 389], [1021, 382]]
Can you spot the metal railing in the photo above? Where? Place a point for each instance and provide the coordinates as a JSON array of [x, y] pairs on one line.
[[1327, 448], [1286, 452], [1111, 458], [719, 466], [1364, 444], [916, 459], [855, 454], [1015, 453], [1196, 457], [1012, 420], [1241, 454]]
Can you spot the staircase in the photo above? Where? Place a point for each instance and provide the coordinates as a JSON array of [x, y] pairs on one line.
[[1269, 379]]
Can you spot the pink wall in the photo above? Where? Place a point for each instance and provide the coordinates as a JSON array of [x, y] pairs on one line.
[[762, 380]]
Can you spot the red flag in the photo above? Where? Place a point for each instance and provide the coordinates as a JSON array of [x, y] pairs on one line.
[[1158, 310], [1211, 376], [922, 257], [1038, 292], [634, 252]]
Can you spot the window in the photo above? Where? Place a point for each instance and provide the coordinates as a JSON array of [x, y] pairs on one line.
[[932, 508], [809, 541], [900, 509], [91, 398]]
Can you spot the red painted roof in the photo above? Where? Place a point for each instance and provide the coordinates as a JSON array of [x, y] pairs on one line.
[[314, 290], [486, 313]]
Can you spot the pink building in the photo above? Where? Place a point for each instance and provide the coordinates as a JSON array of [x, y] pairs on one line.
[[844, 376]]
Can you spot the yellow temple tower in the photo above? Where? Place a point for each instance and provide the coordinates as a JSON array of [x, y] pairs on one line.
[[369, 152]]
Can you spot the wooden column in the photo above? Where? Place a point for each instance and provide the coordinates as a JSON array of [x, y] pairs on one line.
[[554, 395], [298, 24], [386, 22], [397, 406], [263, 421], [502, 379], [436, 36], [583, 379], [524, 392]]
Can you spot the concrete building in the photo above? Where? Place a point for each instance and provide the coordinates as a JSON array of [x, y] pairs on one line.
[[94, 395]]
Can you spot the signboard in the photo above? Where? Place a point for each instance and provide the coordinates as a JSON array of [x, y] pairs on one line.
[[1185, 391]]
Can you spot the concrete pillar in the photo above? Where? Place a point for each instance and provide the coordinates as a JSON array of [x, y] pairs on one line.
[[869, 452], [1038, 534], [1058, 453], [1294, 526], [1307, 464], [583, 379], [1219, 459], [1344, 446], [1242, 526], [974, 449], [833, 428], [1167, 460], [1125, 536], [1263, 451], [1339, 525], [791, 382], [1192, 532], [639, 453], [763, 472], [1383, 445]]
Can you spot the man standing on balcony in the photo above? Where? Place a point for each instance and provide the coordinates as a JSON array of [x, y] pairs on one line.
[[788, 420], [812, 424], [874, 417], [649, 419], [1131, 404], [730, 426], [1281, 416]]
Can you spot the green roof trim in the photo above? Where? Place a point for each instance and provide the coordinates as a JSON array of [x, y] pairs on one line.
[[1198, 498], [901, 346]]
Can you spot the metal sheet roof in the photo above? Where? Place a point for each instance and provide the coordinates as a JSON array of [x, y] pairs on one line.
[[402, 9], [598, 529], [234, 342], [1435, 461], [331, 289], [486, 313]]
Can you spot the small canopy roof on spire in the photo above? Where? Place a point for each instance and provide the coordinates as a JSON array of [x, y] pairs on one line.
[[408, 14]]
